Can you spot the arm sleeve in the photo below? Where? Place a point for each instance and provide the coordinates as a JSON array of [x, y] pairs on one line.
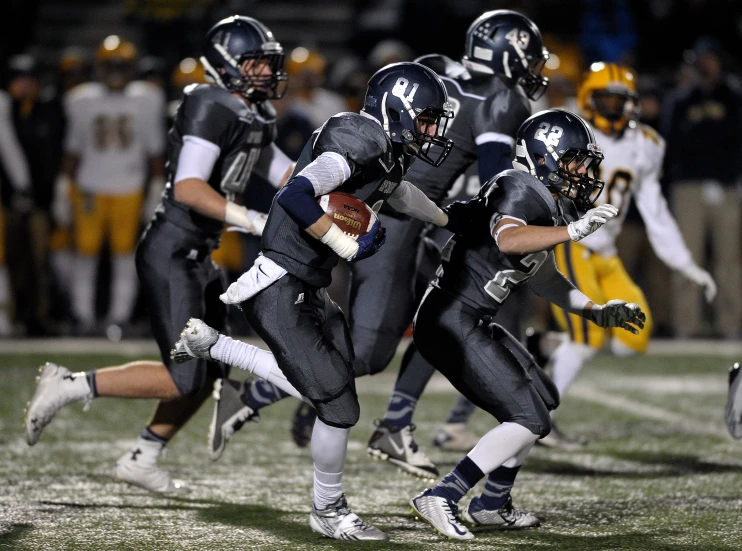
[[549, 283], [327, 172], [272, 165], [297, 198], [662, 229], [11, 155], [409, 200], [196, 159]]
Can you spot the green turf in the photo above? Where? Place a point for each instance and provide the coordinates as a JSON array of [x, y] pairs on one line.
[[660, 472]]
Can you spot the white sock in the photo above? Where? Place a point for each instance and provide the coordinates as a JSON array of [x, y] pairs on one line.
[[500, 445], [566, 363], [124, 286], [83, 289], [329, 449], [253, 359]]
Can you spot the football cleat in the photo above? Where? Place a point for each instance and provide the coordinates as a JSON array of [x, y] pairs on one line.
[[733, 412], [455, 437], [57, 386], [195, 341], [441, 514], [396, 445], [558, 440], [138, 466], [340, 523], [506, 517], [230, 413], [302, 424]]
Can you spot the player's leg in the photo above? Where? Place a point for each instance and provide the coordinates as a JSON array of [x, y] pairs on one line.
[[123, 229], [310, 340], [454, 434], [89, 228], [6, 327], [578, 265], [491, 368]]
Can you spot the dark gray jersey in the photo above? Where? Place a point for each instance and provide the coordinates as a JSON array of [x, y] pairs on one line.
[[473, 268], [213, 114], [482, 104], [376, 171]]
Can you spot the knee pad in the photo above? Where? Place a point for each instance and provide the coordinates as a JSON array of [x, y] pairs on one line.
[[341, 411]]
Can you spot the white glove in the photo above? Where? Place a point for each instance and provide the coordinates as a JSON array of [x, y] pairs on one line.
[[618, 313], [702, 278], [251, 221], [152, 200], [591, 221], [61, 206]]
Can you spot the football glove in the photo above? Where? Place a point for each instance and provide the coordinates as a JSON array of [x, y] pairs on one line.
[[702, 278], [370, 243], [463, 215], [619, 313], [591, 221]]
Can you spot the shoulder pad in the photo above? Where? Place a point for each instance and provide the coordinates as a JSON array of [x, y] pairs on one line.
[[209, 93], [86, 90], [650, 133], [353, 136], [511, 183]]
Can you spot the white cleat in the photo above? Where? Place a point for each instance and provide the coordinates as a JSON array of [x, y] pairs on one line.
[[440, 513], [57, 386], [506, 517], [138, 466], [398, 446], [195, 341], [340, 523], [229, 415], [455, 437]]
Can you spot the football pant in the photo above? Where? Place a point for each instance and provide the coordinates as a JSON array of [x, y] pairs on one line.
[[97, 217]]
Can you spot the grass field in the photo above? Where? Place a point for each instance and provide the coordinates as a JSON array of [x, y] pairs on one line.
[[660, 472]]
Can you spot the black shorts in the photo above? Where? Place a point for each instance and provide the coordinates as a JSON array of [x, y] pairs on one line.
[[308, 335], [180, 281], [484, 362]]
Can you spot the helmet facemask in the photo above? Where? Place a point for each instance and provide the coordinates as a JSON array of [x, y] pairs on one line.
[[426, 139], [617, 108], [534, 85], [576, 176]]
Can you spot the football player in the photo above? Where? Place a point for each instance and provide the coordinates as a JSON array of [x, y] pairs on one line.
[[521, 214], [222, 133], [284, 295], [489, 91], [115, 136], [634, 152]]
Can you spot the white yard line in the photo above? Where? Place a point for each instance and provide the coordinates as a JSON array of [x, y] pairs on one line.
[[679, 421]]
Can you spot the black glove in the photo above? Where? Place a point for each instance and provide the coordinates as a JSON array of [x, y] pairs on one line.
[[464, 216], [371, 242]]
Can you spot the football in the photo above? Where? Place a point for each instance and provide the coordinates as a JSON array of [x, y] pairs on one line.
[[352, 215]]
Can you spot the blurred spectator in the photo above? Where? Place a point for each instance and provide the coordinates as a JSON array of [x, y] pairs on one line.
[[703, 168], [349, 77], [16, 173], [37, 120], [114, 137], [188, 71], [74, 67], [153, 69], [388, 51], [564, 70]]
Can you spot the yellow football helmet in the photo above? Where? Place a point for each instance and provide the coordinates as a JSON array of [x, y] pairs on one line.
[[188, 71], [607, 97], [116, 59]]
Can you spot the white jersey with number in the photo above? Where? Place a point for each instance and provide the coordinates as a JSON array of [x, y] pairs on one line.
[[114, 134], [632, 167]]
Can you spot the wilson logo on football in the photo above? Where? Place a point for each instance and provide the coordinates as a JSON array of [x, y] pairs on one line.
[[347, 219]]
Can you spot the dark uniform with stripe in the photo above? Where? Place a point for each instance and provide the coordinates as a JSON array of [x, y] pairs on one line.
[[303, 327], [173, 256], [383, 297], [453, 326]]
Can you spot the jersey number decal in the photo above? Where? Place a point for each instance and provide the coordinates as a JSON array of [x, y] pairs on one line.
[[400, 87], [113, 132], [618, 186], [553, 137], [499, 286], [236, 178]]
